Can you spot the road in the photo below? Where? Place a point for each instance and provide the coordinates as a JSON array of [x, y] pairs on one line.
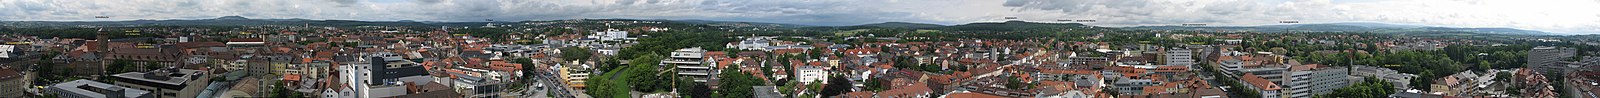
[[545, 82]]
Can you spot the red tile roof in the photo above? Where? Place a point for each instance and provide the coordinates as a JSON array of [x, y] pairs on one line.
[[1259, 82], [973, 95]]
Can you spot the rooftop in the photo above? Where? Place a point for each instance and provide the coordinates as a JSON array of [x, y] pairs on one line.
[[1259, 82], [167, 78], [94, 89]]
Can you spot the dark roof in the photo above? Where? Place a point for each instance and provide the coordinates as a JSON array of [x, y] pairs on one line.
[[9, 73]]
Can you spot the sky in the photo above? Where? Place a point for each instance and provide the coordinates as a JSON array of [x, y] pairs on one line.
[[1556, 16]]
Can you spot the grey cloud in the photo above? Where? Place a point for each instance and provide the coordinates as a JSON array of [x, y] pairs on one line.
[[809, 12], [428, 1], [344, 2]]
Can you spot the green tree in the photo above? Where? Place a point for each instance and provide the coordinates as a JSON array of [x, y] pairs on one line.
[[574, 53], [1370, 87], [734, 84]]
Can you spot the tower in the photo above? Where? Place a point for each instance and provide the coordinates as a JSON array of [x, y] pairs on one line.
[[100, 38]]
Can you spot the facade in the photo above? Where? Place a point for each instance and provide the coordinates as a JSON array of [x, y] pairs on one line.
[[1267, 88], [1455, 84], [1547, 59], [689, 63], [12, 83], [1311, 80], [808, 74], [1133, 86], [575, 76], [166, 83], [382, 75], [1179, 57], [1400, 80], [612, 35], [91, 89], [752, 43]]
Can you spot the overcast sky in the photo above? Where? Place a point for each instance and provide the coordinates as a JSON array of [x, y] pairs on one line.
[[1558, 16]]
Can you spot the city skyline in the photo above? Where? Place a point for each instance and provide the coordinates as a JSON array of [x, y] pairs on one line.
[[1555, 16]]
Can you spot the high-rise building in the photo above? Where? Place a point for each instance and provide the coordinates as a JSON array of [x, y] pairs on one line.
[[1547, 59], [1179, 56], [687, 62], [1313, 79]]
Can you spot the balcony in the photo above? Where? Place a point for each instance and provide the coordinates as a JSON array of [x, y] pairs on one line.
[[680, 62], [695, 67]]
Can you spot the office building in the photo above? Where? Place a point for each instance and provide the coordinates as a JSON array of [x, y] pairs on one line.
[[91, 89], [688, 63], [1313, 79], [165, 83], [1179, 57], [1547, 59]]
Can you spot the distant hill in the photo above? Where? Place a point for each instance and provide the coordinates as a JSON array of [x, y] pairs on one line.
[[901, 25], [1011, 25], [1348, 27], [739, 24]]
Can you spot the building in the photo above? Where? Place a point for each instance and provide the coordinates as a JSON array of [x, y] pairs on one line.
[[808, 74], [1134, 86], [381, 75], [1266, 88], [575, 75], [1400, 80], [689, 63], [1455, 84], [91, 89], [1313, 79], [1547, 59], [12, 83], [166, 83], [752, 43], [1179, 56], [7, 51], [612, 35]]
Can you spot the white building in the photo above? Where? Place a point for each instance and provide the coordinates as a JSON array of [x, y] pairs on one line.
[[808, 74], [1546, 59], [1179, 56], [1310, 80], [1400, 80], [752, 43], [382, 75], [612, 35], [6, 51], [689, 63]]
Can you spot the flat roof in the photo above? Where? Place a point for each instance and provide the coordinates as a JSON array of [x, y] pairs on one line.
[[175, 81], [72, 87]]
